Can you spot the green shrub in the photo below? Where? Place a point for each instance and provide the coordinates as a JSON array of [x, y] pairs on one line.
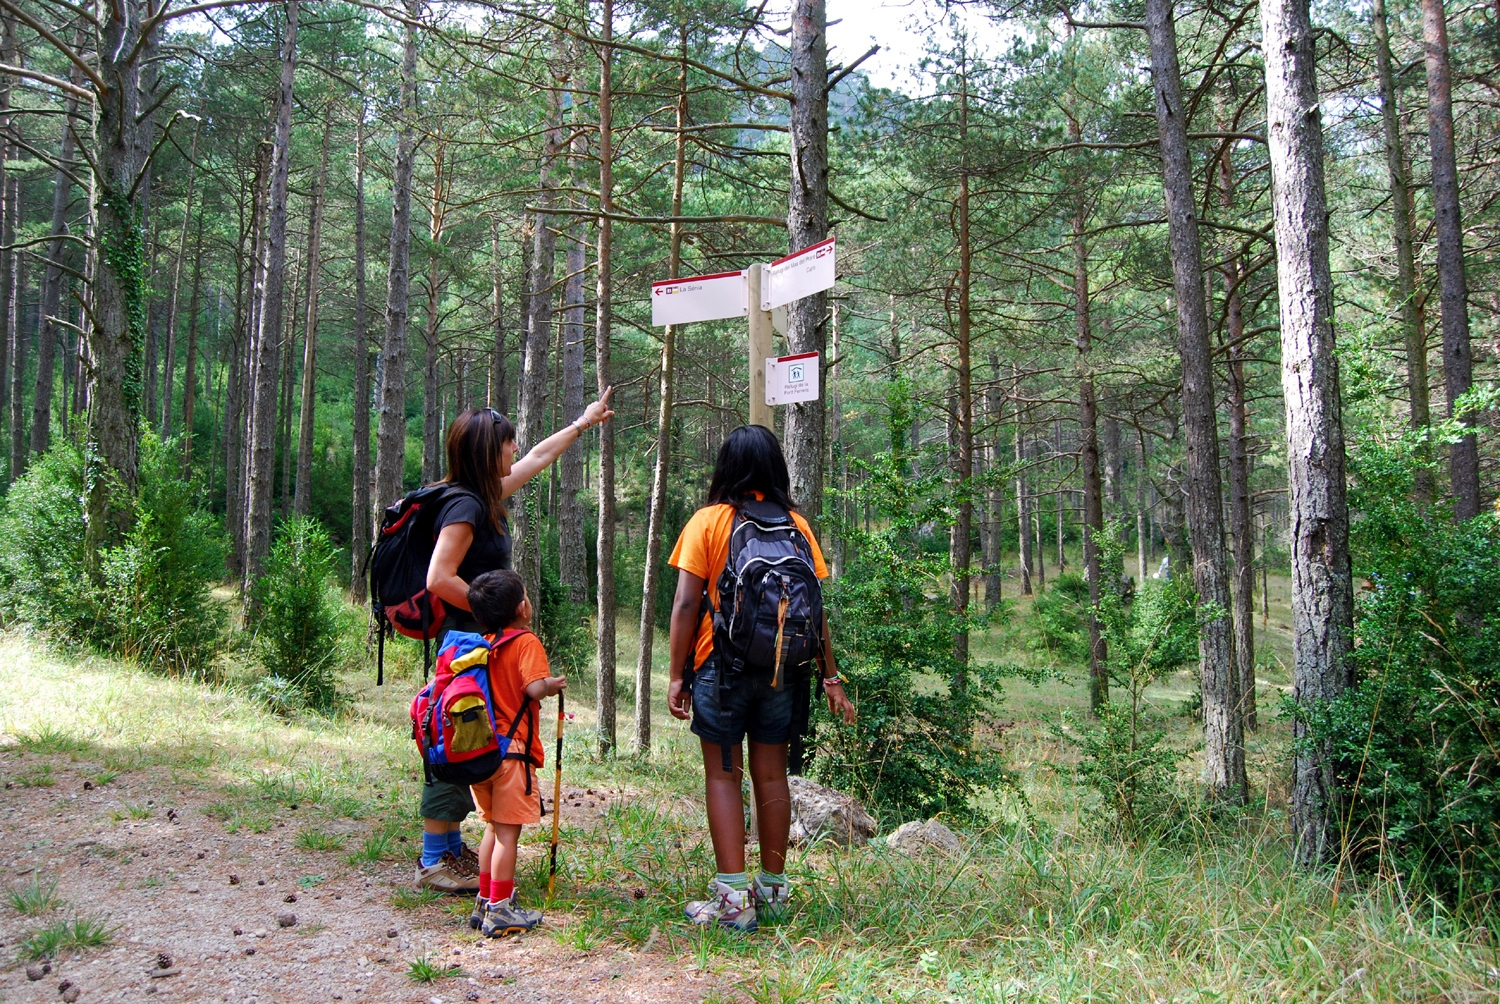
[[1414, 737], [562, 625], [152, 600], [302, 631], [918, 747], [1059, 619]]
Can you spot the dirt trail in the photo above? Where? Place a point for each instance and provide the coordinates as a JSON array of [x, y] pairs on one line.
[[164, 881]]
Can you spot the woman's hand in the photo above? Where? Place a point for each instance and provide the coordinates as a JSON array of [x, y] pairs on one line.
[[599, 411], [839, 704], [679, 699]]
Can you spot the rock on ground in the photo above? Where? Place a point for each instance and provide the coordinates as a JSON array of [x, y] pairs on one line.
[[820, 813], [914, 838]]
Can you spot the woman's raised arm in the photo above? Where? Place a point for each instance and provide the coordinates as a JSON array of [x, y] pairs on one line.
[[542, 455]]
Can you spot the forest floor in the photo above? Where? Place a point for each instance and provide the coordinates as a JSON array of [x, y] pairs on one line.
[[150, 820]]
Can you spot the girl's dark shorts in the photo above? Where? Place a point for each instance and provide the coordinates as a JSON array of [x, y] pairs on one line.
[[746, 705]]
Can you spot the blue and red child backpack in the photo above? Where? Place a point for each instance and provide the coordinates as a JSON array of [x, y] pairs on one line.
[[453, 717]]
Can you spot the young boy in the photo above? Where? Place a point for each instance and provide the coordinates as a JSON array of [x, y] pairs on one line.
[[511, 798]]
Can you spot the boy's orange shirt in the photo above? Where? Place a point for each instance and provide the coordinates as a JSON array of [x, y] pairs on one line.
[[520, 661], [703, 550]]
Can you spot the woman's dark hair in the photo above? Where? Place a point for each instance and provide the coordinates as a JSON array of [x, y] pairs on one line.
[[495, 598], [475, 440], [750, 460]]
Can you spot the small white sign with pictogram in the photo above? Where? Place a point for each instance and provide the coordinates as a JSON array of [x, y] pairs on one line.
[[790, 379]]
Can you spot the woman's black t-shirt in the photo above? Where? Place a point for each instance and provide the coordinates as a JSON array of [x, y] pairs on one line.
[[489, 552]]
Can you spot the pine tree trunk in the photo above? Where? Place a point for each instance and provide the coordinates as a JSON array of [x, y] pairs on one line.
[[432, 409], [499, 394], [534, 374], [572, 560], [1322, 595], [1453, 287], [1088, 426], [268, 337], [1023, 497], [302, 501], [1142, 529], [656, 517], [390, 436], [19, 440], [1406, 268], [284, 458], [119, 294], [995, 493], [961, 536], [8, 215], [807, 223], [190, 368], [169, 365], [1224, 749], [604, 318], [52, 284], [361, 524]]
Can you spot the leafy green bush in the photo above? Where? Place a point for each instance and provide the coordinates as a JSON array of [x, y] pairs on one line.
[[302, 632], [917, 748], [1414, 738], [152, 599], [1059, 618], [562, 625]]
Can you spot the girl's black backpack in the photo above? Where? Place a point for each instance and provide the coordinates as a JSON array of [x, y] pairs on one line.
[[398, 564], [770, 617]]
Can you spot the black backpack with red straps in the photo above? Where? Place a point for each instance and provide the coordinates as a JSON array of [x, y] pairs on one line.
[[398, 566]]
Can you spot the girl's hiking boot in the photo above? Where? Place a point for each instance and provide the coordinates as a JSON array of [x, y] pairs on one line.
[[770, 900], [727, 907], [476, 919], [504, 916]]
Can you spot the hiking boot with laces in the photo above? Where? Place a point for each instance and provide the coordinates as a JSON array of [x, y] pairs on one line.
[[726, 906], [770, 900], [449, 876], [505, 916], [470, 859], [476, 919]]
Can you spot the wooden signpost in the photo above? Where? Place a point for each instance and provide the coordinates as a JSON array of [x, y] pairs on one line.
[[760, 294]]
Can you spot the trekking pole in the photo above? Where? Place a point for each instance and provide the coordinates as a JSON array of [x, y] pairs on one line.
[[556, 798]]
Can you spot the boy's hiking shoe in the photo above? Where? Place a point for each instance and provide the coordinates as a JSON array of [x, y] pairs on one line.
[[504, 916], [476, 919], [470, 859], [770, 900], [449, 876], [728, 907]]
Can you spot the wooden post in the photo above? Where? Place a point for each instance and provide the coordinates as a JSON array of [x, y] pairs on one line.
[[760, 349]]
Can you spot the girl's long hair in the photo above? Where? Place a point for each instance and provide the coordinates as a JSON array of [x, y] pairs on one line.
[[750, 460], [475, 440]]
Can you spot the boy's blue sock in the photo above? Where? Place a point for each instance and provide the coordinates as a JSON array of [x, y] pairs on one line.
[[433, 846], [456, 842]]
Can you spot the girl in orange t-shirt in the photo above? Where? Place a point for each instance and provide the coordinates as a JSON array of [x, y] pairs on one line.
[[750, 466]]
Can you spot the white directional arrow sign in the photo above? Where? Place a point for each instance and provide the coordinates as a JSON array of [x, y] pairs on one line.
[[700, 298], [804, 273]]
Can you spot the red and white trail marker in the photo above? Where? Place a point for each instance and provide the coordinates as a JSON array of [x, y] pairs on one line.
[[790, 379], [699, 298], [804, 273]]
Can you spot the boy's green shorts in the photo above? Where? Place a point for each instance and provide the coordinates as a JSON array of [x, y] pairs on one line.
[[450, 803]]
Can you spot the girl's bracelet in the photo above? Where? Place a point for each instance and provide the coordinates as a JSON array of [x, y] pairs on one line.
[[580, 424], [835, 678]]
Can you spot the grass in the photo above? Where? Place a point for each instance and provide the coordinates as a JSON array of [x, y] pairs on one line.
[[37, 896], [36, 776], [320, 840], [425, 969], [407, 898], [66, 936], [1044, 904]]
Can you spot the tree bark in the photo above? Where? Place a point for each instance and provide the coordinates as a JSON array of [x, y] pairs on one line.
[[390, 436], [18, 437], [52, 284], [603, 319], [994, 493], [1453, 291], [1406, 268], [656, 515], [1023, 496], [807, 223], [1223, 732], [1322, 595], [499, 393], [119, 287], [362, 518], [961, 536], [572, 561], [190, 367], [534, 375], [169, 355], [302, 501], [436, 282], [267, 355]]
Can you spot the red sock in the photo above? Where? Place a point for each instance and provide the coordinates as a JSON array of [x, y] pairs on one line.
[[484, 885], [500, 889]]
